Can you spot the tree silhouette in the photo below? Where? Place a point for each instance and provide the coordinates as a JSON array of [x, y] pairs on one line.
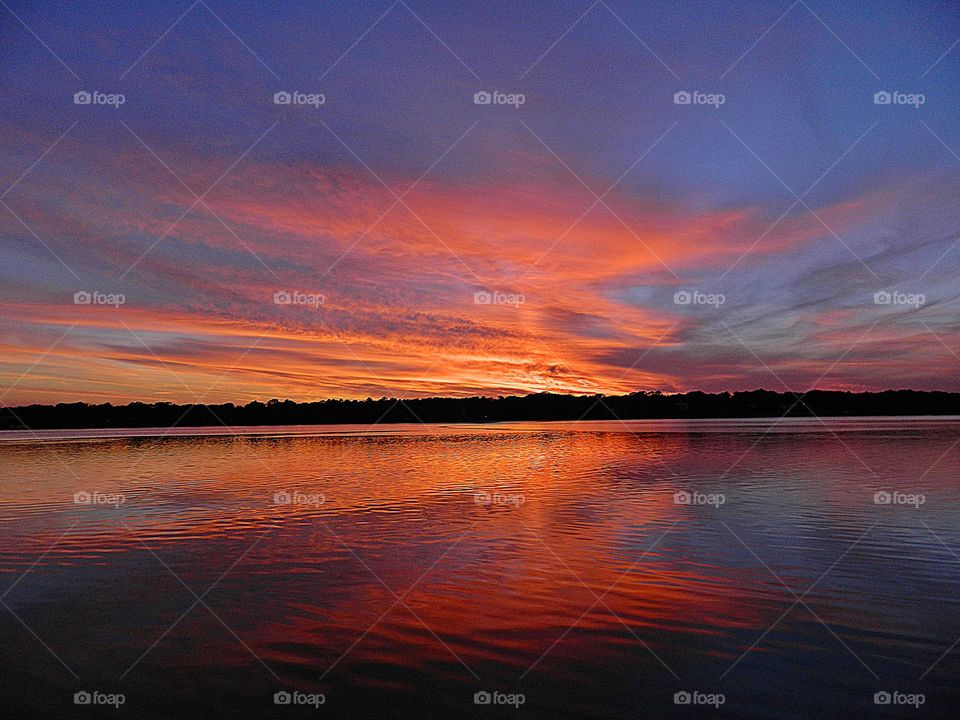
[[540, 406]]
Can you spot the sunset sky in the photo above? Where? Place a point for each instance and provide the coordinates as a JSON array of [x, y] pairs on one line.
[[583, 214]]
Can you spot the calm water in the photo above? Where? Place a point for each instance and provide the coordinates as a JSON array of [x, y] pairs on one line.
[[399, 572]]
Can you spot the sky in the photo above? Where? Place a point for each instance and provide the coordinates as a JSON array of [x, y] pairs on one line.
[[476, 198]]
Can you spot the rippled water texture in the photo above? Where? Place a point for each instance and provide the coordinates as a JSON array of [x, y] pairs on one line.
[[402, 571]]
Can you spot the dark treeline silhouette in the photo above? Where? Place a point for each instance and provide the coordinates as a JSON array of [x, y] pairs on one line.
[[542, 406]]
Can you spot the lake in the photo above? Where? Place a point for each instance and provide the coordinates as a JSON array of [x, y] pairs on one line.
[[731, 568]]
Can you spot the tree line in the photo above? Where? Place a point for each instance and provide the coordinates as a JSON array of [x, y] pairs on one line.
[[539, 406]]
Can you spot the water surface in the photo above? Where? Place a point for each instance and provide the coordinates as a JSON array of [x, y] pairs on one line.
[[399, 570]]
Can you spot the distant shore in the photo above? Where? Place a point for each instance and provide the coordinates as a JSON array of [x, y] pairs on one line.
[[541, 406]]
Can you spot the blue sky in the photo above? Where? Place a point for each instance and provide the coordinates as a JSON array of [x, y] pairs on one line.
[[398, 199]]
